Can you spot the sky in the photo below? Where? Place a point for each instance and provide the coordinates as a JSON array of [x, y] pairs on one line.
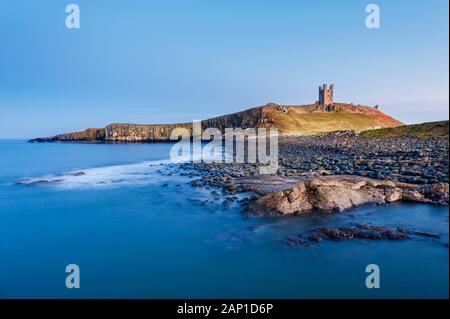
[[169, 61]]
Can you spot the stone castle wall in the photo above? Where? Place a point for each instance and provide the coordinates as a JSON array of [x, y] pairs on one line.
[[326, 97]]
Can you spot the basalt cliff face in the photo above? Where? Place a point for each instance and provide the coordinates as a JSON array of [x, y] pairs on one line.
[[142, 133], [162, 132], [296, 119]]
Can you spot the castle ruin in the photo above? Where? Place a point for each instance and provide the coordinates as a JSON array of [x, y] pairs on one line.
[[326, 98]]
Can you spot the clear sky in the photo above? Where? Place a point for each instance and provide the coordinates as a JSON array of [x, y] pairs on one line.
[[179, 60]]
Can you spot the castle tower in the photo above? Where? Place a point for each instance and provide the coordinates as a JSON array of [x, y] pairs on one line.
[[326, 97]]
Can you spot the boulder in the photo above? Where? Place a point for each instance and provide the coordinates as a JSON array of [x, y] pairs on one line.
[[340, 193]]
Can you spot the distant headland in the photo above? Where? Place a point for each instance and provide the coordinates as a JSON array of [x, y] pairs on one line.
[[325, 115]]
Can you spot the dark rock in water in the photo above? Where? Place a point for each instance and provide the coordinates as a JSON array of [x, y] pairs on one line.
[[227, 202], [197, 183], [297, 242], [359, 232], [40, 182], [425, 234], [78, 174], [198, 202], [231, 188], [24, 181], [165, 185], [355, 232], [44, 182]]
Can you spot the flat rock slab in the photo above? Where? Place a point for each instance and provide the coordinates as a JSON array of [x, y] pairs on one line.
[[265, 184], [336, 193]]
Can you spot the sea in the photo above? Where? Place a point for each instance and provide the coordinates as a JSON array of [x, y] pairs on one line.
[[136, 228]]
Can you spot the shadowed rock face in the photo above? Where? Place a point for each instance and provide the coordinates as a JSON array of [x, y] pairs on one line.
[[340, 193], [89, 135], [158, 132], [142, 133], [302, 119]]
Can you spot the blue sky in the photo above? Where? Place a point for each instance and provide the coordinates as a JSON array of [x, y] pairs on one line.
[[172, 60]]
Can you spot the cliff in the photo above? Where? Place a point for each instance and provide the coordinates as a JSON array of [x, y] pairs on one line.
[[89, 135], [288, 119]]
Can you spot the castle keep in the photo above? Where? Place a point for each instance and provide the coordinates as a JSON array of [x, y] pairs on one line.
[[326, 97]]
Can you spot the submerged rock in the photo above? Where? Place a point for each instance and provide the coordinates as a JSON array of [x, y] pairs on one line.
[[29, 182], [78, 174], [354, 232], [40, 182], [340, 193], [359, 231]]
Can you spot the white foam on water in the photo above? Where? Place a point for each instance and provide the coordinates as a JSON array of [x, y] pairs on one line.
[[107, 176], [147, 172]]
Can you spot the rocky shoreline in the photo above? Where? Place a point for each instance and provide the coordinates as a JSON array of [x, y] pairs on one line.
[[361, 170], [341, 193], [333, 172], [403, 159]]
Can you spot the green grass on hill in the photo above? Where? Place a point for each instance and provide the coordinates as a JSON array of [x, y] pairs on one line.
[[433, 129], [315, 123]]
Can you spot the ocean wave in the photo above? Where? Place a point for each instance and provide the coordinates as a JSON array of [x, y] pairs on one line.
[[108, 176], [147, 172]]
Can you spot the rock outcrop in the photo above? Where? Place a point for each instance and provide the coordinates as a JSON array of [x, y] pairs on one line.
[[340, 193], [142, 133], [90, 135]]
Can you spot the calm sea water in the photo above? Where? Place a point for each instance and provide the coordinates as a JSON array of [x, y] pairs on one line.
[[139, 230]]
